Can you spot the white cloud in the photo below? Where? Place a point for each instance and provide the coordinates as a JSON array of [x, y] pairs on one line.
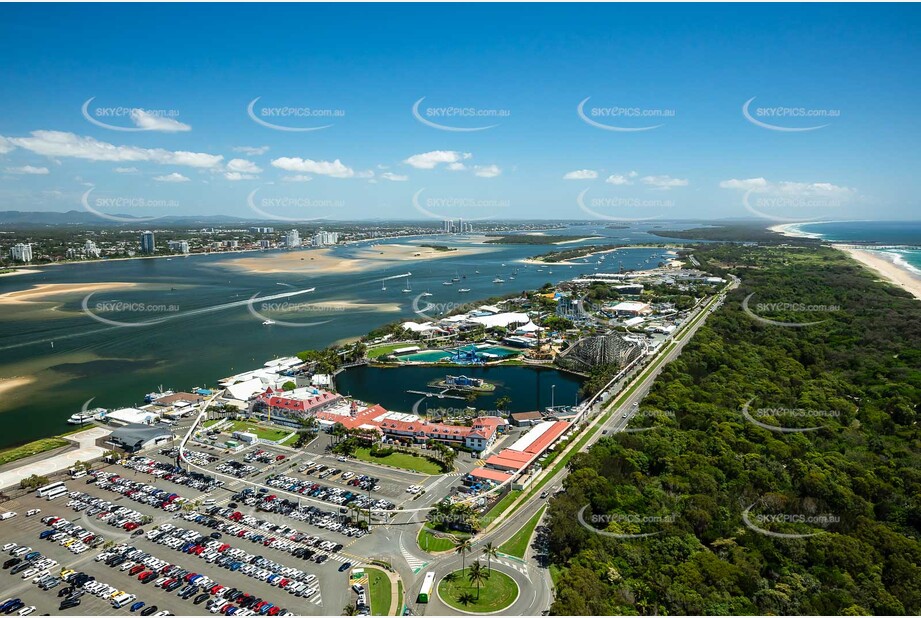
[[243, 166], [744, 185], [762, 185], [487, 171], [27, 169], [253, 151], [581, 175], [126, 170], [238, 176], [430, 160], [618, 179], [335, 169], [394, 177], [456, 167], [5, 145], [664, 182], [297, 178], [152, 122], [174, 177], [65, 144]]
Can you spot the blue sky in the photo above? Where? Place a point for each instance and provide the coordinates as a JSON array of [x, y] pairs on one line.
[[189, 72]]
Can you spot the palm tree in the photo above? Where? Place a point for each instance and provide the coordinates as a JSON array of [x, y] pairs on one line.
[[490, 551], [477, 576], [463, 547], [465, 598]]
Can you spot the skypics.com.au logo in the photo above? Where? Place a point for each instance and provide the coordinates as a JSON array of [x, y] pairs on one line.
[[465, 208], [785, 307], [453, 117], [159, 120], [782, 118], [623, 521], [622, 119], [798, 414], [292, 118], [269, 311], [118, 206], [762, 523], [293, 209]]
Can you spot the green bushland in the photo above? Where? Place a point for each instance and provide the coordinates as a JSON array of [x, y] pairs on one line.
[[856, 375]]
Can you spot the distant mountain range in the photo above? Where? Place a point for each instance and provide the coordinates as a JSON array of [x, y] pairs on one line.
[[81, 217]]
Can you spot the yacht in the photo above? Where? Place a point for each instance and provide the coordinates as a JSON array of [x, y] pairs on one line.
[[424, 294], [464, 290], [447, 283], [268, 322], [498, 280], [408, 288]]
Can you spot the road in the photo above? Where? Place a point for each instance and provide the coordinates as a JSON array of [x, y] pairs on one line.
[[535, 584]]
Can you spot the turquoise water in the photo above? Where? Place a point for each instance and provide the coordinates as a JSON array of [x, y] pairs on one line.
[[885, 233], [431, 356]]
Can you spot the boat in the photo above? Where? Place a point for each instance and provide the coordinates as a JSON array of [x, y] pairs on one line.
[[447, 283], [456, 277], [477, 272], [424, 294], [408, 288], [498, 280], [268, 322], [83, 417], [464, 290]]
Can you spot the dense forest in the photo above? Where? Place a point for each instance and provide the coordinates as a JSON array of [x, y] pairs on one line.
[[715, 483]]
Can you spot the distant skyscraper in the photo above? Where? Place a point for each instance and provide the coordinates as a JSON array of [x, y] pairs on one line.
[[21, 252], [90, 249], [182, 246], [148, 244], [293, 239]]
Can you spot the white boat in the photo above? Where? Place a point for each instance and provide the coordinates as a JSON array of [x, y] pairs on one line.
[[447, 283], [426, 294], [268, 322], [84, 417], [464, 290], [498, 280], [408, 288]]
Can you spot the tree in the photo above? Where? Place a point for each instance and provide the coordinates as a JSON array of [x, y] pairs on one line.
[[33, 481], [463, 547], [350, 610], [477, 576], [465, 598], [289, 386], [503, 402], [490, 551]]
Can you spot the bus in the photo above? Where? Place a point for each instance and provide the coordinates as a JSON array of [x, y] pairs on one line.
[[427, 584], [44, 491], [56, 493]]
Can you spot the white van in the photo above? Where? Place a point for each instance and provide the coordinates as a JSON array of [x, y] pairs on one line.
[[122, 600]]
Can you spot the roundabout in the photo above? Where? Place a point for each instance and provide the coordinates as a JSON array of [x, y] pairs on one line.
[[496, 592]]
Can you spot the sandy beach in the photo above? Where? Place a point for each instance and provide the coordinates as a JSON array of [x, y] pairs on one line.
[[537, 262], [885, 269], [324, 261], [20, 271], [569, 242]]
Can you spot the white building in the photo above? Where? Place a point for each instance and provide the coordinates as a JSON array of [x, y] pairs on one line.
[[91, 250], [21, 252], [631, 309], [323, 238], [182, 246], [293, 239]]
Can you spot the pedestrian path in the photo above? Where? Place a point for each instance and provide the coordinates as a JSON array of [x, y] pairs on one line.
[[416, 564]]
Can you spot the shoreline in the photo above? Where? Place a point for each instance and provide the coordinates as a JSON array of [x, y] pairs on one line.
[[540, 262], [887, 269]]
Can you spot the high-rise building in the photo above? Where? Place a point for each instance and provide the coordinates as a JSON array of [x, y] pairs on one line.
[[90, 249], [262, 230], [182, 246], [323, 238], [21, 252], [148, 244], [293, 239]]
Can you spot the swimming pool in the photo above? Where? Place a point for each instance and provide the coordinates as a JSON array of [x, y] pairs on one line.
[[433, 356]]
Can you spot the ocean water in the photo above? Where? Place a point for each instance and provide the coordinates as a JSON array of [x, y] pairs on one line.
[[898, 241]]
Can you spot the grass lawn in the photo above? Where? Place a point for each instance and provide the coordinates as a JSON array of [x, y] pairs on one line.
[[290, 441], [31, 448], [213, 421], [496, 593], [400, 460], [399, 597], [383, 350], [431, 543], [380, 593], [263, 433], [518, 545]]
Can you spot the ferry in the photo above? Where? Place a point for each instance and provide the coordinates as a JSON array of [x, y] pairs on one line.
[[84, 417]]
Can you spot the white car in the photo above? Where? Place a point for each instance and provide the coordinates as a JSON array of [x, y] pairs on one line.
[[30, 513], [25, 611], [10, 546], [8, 515]]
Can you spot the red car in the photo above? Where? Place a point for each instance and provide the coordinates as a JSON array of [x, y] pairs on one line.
[[274, 611], [168, 582], [144, 574], [136, 569]]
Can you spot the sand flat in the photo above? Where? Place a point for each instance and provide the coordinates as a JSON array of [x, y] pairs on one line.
[[7, 385], [364, 259], [45, 292]]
